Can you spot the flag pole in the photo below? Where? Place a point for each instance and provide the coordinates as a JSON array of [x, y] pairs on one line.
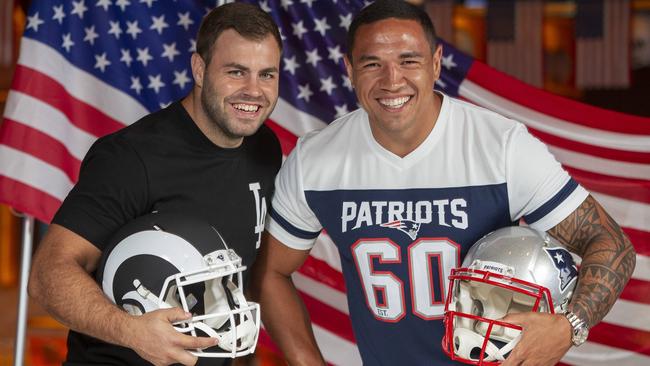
[[26, 257]]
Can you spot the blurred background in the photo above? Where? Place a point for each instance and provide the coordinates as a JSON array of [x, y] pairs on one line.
[[595, 52]]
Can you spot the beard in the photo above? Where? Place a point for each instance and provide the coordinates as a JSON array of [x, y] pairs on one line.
[[219, 119]]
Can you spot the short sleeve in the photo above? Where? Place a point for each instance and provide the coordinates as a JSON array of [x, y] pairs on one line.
[[291, 220], [540, 190], [111, 190]]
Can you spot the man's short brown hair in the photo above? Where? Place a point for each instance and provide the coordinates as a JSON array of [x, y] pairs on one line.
[[248, 20]]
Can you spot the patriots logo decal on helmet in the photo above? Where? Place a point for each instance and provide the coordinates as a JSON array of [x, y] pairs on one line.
[[408, 227], [567, 270]]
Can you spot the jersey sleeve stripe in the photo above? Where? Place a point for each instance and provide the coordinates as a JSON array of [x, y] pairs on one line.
[[303, 234], [551, 204]]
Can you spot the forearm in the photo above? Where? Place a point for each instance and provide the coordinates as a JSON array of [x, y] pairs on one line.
[[608, 259], [72, 297], [286, 319]]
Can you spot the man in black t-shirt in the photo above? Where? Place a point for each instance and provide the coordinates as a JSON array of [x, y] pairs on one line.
[[205, 155]]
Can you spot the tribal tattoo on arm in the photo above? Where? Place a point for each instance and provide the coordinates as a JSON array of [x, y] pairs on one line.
[[608, 259]]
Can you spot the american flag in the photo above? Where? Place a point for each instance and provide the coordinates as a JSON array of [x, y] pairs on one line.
[[88, 68], [602, 43], [514, 32]]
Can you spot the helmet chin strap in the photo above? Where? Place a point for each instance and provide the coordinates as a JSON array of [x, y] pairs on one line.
[[466, 340]]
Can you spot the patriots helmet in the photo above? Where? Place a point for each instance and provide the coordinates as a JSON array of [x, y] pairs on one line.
[[510, 270], [163, 260]]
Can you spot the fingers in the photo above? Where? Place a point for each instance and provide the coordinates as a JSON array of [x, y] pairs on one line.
[[164, 345], [175, 314], [517, 318]]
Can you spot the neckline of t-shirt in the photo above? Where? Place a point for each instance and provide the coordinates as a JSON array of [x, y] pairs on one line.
[[421, 151], [200, 138]]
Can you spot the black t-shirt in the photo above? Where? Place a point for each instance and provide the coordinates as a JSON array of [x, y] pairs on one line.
[[164, 162]]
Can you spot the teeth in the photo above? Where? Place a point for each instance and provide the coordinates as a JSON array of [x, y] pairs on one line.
[[246, 107], [395, 102]]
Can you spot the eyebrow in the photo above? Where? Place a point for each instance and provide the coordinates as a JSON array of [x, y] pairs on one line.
[[404, 55], [246, 68]]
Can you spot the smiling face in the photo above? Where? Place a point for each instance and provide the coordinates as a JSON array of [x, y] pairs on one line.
[[393, 70], [238, 89]]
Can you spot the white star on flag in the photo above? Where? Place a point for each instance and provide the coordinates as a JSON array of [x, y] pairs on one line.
[[34, 22], [291, 65], [58, 13], [155, 83], [304, 92], [159, 23], [79, 8], [313, 57], [101, 62], [133, 29]]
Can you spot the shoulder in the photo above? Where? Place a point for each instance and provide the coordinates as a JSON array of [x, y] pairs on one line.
[[336, 137], [475, 122]]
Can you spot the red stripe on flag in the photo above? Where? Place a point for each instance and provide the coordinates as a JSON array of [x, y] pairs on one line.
[[553, 105], [605, 153], [321, 271], [39, 145], [266, 341], [621, 337], [50, 91], [626, 188], [287, 139], [638, 291], [329, 318], [28, 199], [640, 240]]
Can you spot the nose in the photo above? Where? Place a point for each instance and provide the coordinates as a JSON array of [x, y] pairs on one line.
[[392, 78], [252, 86]]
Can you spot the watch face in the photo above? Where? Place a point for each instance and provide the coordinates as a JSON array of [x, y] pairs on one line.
[[580, 336]]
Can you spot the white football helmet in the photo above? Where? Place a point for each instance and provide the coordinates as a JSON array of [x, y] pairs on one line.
[[160, 261], [511, 270]]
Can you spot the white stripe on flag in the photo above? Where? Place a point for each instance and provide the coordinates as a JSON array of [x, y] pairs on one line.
[[552, 125], [326, 250], [594, 354], [30, 111], [642, 268], [82, 85], [600, 165], [321, 291], [626, 313], [294, 120], [33, 172], [336, 350], [632, 214]]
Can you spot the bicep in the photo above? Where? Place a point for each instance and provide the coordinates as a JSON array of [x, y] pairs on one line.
[[63, 246], [588, 227], [277, 258]]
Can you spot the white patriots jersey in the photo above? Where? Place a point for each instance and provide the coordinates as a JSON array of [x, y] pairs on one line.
[[401, 224]]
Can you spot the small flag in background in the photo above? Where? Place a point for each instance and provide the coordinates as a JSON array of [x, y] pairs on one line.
[[514, 32], [602, 44], [87, 68]]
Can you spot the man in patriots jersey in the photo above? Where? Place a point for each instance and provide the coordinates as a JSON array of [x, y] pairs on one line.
[[404, 186], [208, 156]]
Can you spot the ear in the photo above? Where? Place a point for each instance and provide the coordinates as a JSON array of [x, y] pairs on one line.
[[437, 61], [348, 68], [198, 69]]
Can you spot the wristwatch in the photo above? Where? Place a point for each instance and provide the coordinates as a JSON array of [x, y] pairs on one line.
[[579, 331]]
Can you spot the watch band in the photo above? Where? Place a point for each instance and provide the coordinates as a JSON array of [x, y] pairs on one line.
[[579, 331]]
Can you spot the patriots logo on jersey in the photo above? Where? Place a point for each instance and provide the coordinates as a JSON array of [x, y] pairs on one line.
[[567, 270], [408, 227]]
